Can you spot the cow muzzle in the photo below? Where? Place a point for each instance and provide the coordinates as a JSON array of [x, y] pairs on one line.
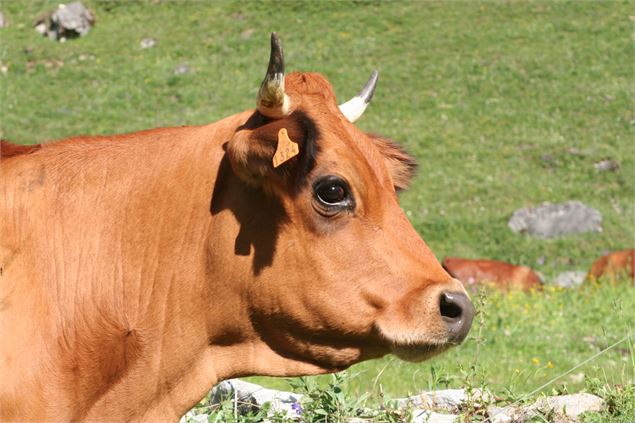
[[457, 311]]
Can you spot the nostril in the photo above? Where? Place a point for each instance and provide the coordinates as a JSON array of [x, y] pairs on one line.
[[450, 310], [457, 311]]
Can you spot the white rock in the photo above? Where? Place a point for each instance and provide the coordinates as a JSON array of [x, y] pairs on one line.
[[67, 21], [182, 69], [500, 415], [148, 43], [74, 17], [445, 399], [569, 405], [425, 416], [199, 418]]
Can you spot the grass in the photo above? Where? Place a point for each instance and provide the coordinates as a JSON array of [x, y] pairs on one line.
[[505, 104]]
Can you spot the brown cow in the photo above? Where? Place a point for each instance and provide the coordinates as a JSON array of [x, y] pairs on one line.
[[497, 274], [139, 270], [614, 265]]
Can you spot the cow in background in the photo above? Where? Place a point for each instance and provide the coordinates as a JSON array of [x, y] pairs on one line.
[[613, 265], [493, 273]]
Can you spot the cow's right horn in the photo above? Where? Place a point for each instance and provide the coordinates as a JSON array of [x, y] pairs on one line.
[[272, 101]]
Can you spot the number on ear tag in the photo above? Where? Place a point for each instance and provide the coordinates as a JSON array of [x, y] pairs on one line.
[[286, 149]]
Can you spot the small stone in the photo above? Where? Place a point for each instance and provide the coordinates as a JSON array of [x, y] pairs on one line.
[[84, 57], [606, 166], [570, 279], [148, 43], [554, 220], [182, 69], [41, 28], [4, 69]]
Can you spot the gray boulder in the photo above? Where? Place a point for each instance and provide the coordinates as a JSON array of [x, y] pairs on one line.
[[67, 21], [553, 220]]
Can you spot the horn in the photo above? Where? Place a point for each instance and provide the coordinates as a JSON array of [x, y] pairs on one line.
[[272, 101], [355, 107]]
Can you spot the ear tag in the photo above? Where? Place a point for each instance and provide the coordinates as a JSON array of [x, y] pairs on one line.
[[286, 149]]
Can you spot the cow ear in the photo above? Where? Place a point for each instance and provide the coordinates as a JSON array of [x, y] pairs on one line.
[[401, 165], [251, 156], [274, 151]]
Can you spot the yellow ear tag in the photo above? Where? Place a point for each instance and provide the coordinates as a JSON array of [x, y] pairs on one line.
[[286, 149]]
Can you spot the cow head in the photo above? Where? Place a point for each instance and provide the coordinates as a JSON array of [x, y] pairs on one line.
[[337, 273]]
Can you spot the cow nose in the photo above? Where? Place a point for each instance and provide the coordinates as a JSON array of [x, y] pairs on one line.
[[457, 312]]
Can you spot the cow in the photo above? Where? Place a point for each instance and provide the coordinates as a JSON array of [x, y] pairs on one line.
[[492, 273], [139, 270], [613, 265]]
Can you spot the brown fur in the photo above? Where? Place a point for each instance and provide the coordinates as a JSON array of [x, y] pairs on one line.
[[8, 149], [139, 270], [614, 265], [493, 273]]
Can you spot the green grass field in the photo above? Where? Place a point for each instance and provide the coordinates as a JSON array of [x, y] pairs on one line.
[[505, 105]]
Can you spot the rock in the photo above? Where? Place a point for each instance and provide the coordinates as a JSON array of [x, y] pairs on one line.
[[148, 43], [570, 279], [606, 165], [571, 406], [499, 415], [67, 21], [182, 69], [560, 409], [425, 416], [190, 417], [250, 397], [553, 220], [3, 21], [199, 418], [445, 399]]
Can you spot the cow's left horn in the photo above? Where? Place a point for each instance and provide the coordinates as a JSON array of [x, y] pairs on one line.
[[272, 101], [354, 108]]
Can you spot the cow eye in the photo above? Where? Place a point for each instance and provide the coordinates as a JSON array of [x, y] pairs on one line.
[[332, 194]]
